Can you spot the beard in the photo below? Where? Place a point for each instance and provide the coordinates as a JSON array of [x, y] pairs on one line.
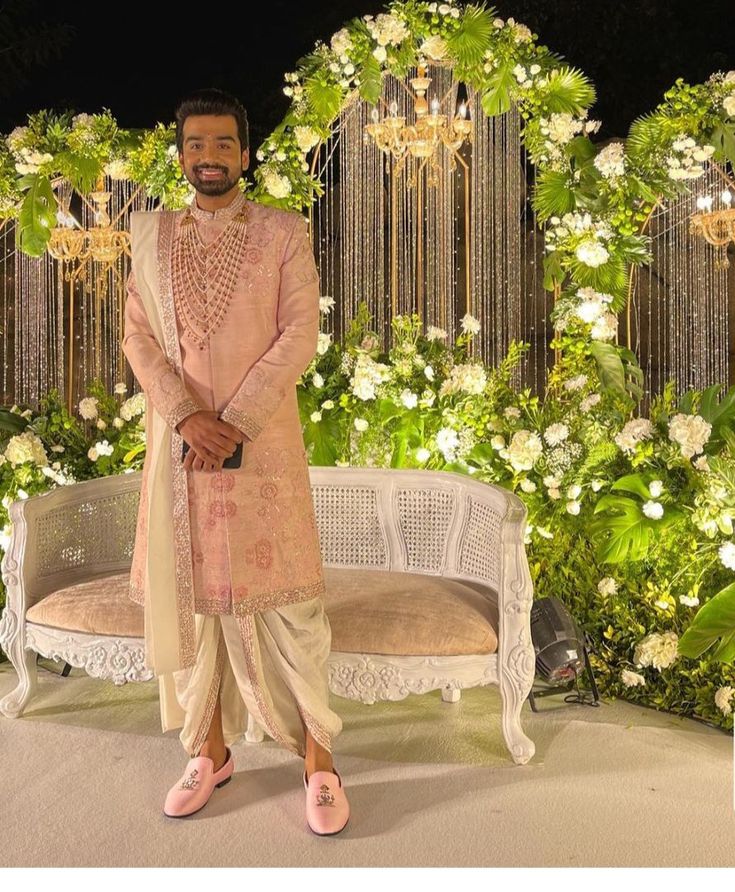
[[213, 187]]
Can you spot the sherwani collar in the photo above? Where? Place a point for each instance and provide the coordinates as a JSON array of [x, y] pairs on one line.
[[223, 214]]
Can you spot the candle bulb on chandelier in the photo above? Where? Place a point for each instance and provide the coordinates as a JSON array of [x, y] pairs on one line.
[[375, 116], [394, 108], [462, 110], [726, 197], [435, 106]]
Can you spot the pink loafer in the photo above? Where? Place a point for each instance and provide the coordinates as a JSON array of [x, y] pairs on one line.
[[192, 790], [327, 808]]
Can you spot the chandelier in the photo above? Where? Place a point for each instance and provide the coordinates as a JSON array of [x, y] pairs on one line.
[[716, 226], [423, 139], [77, 247]]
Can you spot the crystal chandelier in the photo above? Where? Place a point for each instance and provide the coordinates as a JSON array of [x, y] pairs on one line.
[[424, 138], [76, 247], [716, 226]]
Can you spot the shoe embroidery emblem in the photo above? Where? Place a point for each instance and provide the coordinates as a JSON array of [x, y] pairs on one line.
[[189, 783], [324, 797]]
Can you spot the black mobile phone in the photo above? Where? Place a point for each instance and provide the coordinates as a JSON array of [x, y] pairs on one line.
[[233, 461]]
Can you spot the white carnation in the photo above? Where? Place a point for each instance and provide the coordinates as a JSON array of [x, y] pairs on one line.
[[525, 448], [632, 679], [607, 586], [556, 433], [654, 510], [88, 407], [657, 650], [723, 696], [726, 553]]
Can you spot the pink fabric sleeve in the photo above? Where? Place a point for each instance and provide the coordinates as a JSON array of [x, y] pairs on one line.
[[277, 371], [150, 365]]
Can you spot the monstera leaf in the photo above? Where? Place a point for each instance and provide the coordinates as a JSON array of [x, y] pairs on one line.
[[37, 214], [624, 532], [715, 620]]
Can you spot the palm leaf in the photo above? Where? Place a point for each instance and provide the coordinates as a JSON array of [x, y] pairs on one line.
[[715, 619], [324, 98], [569, 90], [496, 98], [552, 194], [644, 135], [469, 42], [371, 80]]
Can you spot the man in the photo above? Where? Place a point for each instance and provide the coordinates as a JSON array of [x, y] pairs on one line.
[[221, 320]]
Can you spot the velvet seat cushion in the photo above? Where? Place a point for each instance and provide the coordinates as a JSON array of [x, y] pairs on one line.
[[370, 611]]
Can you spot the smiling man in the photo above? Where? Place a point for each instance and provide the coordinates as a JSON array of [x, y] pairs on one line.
[[221, 320]]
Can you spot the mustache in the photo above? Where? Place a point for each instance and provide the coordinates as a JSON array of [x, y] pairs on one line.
[[210, 167]]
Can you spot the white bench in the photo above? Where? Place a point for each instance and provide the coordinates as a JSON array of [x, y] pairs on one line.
[[426, 571]]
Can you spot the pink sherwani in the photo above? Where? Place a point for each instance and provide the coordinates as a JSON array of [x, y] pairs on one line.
[[254, 542]]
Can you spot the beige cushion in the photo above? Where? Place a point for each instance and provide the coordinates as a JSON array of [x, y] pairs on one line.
[[100, 606], [370, 611]]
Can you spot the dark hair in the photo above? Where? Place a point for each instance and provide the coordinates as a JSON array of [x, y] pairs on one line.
[[211, 101]]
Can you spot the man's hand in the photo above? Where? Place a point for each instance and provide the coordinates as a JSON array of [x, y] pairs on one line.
[[210, 440]]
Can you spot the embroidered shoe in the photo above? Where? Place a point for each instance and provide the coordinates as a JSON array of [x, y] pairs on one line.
[[327, 808], [192, 790]]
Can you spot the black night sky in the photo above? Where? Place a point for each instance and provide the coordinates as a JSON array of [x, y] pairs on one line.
[[137, 58]]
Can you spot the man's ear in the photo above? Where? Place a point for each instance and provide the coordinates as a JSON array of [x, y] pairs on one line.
[[245, 159]]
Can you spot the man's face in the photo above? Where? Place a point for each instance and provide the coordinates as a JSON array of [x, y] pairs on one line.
[[212, 160]]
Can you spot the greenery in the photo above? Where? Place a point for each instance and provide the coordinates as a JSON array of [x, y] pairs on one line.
[[641, 508]]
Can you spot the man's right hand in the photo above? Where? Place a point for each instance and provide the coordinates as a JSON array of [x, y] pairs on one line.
[[210, 440]]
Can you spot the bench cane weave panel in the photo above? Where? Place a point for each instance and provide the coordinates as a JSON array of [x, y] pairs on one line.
[[350, 530], [425, 517], [92, 533], [481, 543]]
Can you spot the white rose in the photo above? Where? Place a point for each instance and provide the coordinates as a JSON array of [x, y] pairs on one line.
[[573, 507], [361, 424], [727, 555]]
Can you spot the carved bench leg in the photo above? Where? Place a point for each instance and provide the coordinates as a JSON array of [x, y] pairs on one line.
[[516, 680], [12, 641], [451, 695]]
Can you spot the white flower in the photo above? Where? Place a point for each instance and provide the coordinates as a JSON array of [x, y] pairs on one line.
[[467, 378], [117, 169], [386, 29], [575, 383], [554, 493], [88, 407], [341, 41], [701, 463], [607, 586], [434, 48], [528, 485], [688, 600], [409, 399], [380, 54], [574, 492], [315, 417], [326, 304], [605, 328], [512, 412], [727, 555], [543, 532], [447, 440], [632, 679], [610, 161], [556, 433], [656, 487], [591, 253], [26, 447], [361, 424], [121, 387], [422, 454], [317, 380], [58, 449], [435, 334], [470, 325], [525, 448], [573, 507], [691, 432], [723, 696], [277, 185], [429, 372], [104, 448], [133, 406], [118, 422], [728, 103], [654, 510], [328, 404], [497, 442], [101, 424], [550, 480], [657, 650], [306, 137], [27, 413], [588, 402], [366, 376], [92, 454], [634, 431], [22, 494]]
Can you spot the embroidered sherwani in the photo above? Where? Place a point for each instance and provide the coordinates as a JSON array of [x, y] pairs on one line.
[[244, 540]]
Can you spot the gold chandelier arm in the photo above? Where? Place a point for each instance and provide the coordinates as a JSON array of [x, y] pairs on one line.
[[127, 205]]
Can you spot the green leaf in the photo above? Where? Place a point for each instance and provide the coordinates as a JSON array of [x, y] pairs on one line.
[[371, 80], [632, 483], [720, 415], [569, 90], [645, 135], [82, 171], [324, 435], [468, 43], [37, 214], [496, 99], [723, 139], [324, 98], [625, 533], [715, 619], [609, 366], [553, 271], [552, 194]]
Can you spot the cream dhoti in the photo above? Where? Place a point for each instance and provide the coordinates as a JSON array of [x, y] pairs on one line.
[[271, 665]]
